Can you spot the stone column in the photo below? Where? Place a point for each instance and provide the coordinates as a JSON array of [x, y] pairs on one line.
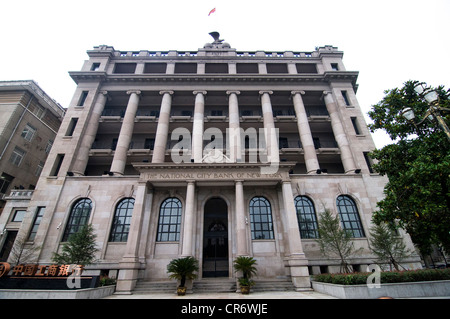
[[188, 229], [130, 264], [269, 127], [339, 133], [234, 134], [126, 133], [162, 131], [312, 164], [297, 261], [197, 130], [79, 166], [241, 223]]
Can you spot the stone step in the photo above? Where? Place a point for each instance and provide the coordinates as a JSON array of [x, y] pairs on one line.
[[216, 285], [272, 285], [144, 287]]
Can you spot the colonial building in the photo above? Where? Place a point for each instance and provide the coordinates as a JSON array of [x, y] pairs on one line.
[[29, 122], [214, 153]]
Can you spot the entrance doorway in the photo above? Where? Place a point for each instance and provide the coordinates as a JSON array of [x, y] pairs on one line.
[[215, 238]]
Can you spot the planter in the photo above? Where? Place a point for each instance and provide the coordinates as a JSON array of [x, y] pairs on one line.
[[181, 291], [245, 290], [420, 289]]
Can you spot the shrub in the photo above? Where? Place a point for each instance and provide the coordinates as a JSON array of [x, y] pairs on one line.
[[386, 277]]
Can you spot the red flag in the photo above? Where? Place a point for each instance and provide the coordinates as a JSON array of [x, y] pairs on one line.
[[212, 11]]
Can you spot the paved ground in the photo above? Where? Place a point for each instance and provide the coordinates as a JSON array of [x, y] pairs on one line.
[[230, 295]]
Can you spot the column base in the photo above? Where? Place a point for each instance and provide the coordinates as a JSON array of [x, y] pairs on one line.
[[128, 275], [298, 266]]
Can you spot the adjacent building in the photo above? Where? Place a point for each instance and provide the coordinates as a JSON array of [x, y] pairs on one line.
[[214, 153]]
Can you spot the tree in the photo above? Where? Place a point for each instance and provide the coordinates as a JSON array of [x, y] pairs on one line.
[[389, 247], [79, 248], [418, 167], [333, 240], [182, 269], [23, 252]]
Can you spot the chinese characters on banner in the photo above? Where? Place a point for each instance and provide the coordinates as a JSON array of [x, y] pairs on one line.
[[32, 270]]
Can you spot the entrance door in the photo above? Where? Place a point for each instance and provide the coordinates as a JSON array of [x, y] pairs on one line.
[[215, 238]]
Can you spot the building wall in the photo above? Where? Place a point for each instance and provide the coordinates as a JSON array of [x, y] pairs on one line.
[[116, 139]]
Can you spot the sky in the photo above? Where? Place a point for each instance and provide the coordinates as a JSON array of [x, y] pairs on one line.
[[388, 41]]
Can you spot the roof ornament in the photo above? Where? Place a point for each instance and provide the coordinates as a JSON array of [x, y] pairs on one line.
[[216, 36]]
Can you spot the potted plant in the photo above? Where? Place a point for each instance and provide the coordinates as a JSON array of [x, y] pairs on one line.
[[182, 269], [247, 266]]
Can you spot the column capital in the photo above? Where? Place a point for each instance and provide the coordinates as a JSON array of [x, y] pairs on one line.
[[199, 92], [103, 92], [265, 91], [134, 91], [297, 92], [190, 181], [325, 93], [233, 92], [164, 92], [239, 181]]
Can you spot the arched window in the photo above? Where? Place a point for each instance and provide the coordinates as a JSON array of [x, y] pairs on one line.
[[122, 220], [79, 216], [169, 222], [261, 218], [306, 216], [348, 212]]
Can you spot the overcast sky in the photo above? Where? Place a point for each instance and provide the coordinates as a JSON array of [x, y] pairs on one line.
[[387, 41]]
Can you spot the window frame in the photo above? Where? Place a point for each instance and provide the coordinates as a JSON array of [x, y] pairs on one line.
[[259, 227], [122, 212], [350, 217], [305, 232], [169, 230], [74, 222]]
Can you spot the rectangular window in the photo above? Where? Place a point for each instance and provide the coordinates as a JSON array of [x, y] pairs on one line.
[[57, 165], [355, 125], [48, 147], [216, 68], [368, 161], [334, 66], [306, 68], [28, 132], [72, 125], [5, 181], [36, 223], [277, 68], [124, 68], [39, 168], [345, 96], [185, 67], [247, 68], [155, 67], [18, 215], [95, 66], [83, 97], [17, 155]]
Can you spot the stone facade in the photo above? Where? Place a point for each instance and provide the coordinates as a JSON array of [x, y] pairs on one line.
[[213, 152]]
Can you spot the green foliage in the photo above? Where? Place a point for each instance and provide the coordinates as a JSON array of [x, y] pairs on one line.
[[386, 277], [107, 281], [418, 167], [246, 265], [333, 240], [385, 243], [79, 248], [182, 269], [245, 282]]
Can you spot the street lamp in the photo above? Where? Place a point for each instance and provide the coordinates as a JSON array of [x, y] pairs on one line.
[[433, 111]]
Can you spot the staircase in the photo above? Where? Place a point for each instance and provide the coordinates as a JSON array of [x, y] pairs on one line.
[[148, 287], [212, 285], [273, 285]]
